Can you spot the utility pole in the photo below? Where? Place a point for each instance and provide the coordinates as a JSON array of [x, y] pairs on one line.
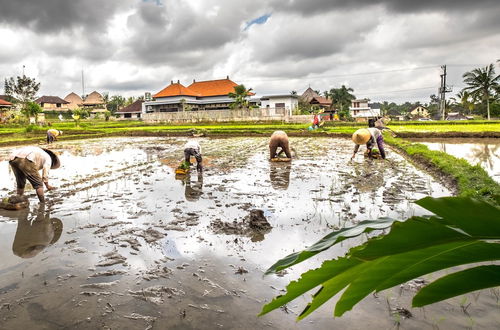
[[83, 87], [443, 89]]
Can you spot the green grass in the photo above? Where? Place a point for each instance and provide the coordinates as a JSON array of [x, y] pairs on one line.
[[471, 180]]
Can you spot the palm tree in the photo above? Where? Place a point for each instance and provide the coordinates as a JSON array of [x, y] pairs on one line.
[[482, 83], [342, 97], [240, 97], [465, 100]]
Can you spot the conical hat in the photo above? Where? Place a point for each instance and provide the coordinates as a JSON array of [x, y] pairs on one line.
[[361, 136], [55, 160]]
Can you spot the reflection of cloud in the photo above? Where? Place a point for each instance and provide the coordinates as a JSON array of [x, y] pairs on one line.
[[35, 232]]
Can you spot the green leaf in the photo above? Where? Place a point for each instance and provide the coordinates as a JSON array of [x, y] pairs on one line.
[[328, 241], [475, 217], [309, 280], [458, 283]]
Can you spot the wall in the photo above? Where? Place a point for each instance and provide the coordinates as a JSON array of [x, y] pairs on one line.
[[222, 116]]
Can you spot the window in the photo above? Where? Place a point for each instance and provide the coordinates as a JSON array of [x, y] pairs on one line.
[[279, 105]]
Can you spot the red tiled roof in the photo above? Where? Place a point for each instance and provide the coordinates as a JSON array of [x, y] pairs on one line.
[[3, 102], [321, 100], [213, 87], [176, 89], [132, 108]]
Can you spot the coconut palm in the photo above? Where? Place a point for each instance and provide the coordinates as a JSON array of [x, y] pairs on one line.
[[240, 97], [482, 84], [342, 97]]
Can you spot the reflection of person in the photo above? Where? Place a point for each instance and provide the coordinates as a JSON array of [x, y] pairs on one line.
[[26, 162], [370, 136], [193, 190], [192, 148], [279, 174], [279, 139], [52, 135], [34, 235]]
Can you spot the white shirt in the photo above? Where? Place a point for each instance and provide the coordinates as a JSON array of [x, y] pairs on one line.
[[36, 155], [192, 144]]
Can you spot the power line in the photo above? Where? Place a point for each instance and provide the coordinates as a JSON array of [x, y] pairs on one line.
[[347, 74], [394, 91]]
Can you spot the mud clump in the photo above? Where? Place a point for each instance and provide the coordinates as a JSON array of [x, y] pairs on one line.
[[254, 225], [14, 202]]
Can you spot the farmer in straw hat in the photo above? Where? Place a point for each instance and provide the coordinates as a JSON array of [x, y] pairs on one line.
[[26, 162], [52, 135], [370, 136]]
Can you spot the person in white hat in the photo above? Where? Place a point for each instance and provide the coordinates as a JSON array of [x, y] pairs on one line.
[[26, 162], [368, 136]]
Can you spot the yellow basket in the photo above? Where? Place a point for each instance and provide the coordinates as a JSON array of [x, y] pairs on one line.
[[181, 171]]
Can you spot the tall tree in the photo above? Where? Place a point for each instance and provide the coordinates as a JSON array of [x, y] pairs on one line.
[[482, 84], [22, 88], [342, 97], [240, 96]]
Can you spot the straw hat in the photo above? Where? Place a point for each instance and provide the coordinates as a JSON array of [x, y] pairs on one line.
[[56, 163], [361, 136]]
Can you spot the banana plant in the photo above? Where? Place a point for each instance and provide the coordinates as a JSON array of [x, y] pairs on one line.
[[462, 231]]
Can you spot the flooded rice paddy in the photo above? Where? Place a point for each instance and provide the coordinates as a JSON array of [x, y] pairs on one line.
[[484, 151], [125, 244]]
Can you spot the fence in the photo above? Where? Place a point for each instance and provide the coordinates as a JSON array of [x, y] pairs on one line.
[[263, 114]]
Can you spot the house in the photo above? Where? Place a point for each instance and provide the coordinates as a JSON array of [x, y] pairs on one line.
[[281, 104], [52, 103], [419, 112], [132, 111], [360, 110], [74, 101], [312, 98], [200, 95], [455, 116], [5, 105], [94, 103]]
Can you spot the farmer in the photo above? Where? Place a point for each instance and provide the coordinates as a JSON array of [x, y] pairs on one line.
[[26, 162], [192, 148], [52, 135], [279, 139], [370, 136], [316, 121]]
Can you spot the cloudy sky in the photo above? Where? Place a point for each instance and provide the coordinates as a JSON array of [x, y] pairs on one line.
[[385, 50]]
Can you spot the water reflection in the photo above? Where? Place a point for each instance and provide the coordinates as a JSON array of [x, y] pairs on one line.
[[35, 231], [279, 174], [485, 152], [192, 189]]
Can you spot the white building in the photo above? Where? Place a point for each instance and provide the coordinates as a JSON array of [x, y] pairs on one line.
[[283, 104], [361, 110]]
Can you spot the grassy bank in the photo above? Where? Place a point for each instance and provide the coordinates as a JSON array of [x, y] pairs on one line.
[[469, 180], [10, 135]]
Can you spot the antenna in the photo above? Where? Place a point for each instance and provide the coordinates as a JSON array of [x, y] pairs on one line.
[[83, 86]]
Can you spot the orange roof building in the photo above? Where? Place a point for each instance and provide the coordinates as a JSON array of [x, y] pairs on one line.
[[200, 95]]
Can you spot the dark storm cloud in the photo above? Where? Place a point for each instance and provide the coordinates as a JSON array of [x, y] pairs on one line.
[[52, 16], [180, 36], [314, 7]]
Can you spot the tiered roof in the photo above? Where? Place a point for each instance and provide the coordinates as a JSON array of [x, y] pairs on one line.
[[206, 88]]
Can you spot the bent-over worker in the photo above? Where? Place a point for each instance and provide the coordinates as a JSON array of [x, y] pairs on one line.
[[192, 148], [279, 139], [52, 135], [26, 162], [370, 136]]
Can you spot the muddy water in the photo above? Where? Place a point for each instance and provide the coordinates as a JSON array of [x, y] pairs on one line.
[[485, 152], [123, 243]]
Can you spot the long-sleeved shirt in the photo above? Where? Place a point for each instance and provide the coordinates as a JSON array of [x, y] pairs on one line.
[[191, 144], [36, 155], [53, 132], [376, 137]]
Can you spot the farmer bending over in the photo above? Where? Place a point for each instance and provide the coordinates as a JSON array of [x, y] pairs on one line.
[[26, 162], [279, 139], [52, 135], [192, 148], [370, 136]]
